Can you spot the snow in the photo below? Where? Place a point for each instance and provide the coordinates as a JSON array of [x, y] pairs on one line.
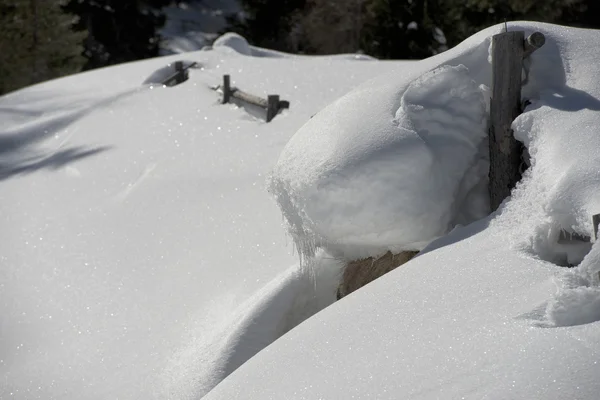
[[234, 42], [372, 173], [452, 323], [138, 232], [487, 311], [144, 257], [192, 25]]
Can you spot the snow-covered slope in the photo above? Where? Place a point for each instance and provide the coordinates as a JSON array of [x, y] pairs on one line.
[[487, 312], [191, 25], [138, 237], [143, 257]]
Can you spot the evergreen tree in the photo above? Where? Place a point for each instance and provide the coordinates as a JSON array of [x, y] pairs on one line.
[[119, 30], [272, 24], [464, 18], [333, 26], [584, 14], [401, 29], [36, 43]]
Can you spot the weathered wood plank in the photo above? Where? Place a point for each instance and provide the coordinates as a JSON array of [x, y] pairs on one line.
[[249, 98], [272, 104], [505, 150]]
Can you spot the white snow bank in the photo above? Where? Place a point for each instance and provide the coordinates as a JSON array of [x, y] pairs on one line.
[[135, 222], [281, 305], [392, 165], [486, 312], [457, 322]]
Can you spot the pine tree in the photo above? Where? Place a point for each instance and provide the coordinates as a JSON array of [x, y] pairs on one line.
[[334, 26], [464, 18], [36, 43], [119, 30], [272, 24], [401, 29]]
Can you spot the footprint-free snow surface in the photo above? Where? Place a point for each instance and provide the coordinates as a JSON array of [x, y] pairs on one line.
[[485, 312], [138, 237], [144, 258]]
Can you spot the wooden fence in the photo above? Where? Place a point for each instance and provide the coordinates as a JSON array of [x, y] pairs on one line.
[[179, 75], [272, 104]]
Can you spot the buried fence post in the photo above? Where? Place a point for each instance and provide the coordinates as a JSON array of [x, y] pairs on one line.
[[508, 51], [179, 77], [272, 106], [596, 222], [226, 89]]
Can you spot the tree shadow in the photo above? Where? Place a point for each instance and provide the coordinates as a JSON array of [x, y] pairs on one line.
[[52, 162], [24, 135]]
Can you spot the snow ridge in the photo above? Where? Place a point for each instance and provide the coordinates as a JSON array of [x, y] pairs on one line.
[[401, 181]]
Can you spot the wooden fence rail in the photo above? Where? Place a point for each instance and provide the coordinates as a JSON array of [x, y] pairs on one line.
[[272, 104]]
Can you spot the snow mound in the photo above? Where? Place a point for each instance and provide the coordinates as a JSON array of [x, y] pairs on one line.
[[285, 302], [487, 311], [136, 226], [384, 169], [233, 42], [577, 298]]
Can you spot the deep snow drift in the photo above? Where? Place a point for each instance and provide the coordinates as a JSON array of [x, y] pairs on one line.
[[386, 167], [138, 236], [143, 257], [486, 312]]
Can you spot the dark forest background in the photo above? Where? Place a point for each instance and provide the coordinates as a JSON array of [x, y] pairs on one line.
[[44, 39]]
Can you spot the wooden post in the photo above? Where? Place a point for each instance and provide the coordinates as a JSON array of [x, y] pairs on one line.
[[505, 150], [226, 89], [272, 106], [179, 77], [508, 51]]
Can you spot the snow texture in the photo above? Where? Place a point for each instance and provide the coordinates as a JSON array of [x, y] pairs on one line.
[[389, 166], [487, 311], [137, 227], [143, 257]]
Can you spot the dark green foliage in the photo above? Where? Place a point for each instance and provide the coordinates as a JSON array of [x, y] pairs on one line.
[[119, 30], [465, 17], [585, 14], [393, 28], [400, 29], [36, 43], [269, 23]]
